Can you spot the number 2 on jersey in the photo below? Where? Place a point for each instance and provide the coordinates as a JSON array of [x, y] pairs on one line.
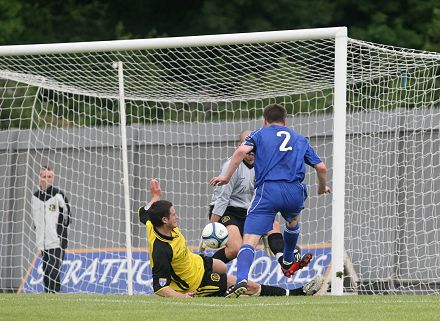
[[283, 147]]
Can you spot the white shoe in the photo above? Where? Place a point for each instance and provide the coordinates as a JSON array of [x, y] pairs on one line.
[[314, 285]]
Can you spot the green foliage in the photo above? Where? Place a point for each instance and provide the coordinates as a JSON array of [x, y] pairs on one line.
[[11, 22], [408, 89], [409, 23], [60, 109], [16, 104], [47, 21]]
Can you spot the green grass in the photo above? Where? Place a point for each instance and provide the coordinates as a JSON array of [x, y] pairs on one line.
[[93, 307]]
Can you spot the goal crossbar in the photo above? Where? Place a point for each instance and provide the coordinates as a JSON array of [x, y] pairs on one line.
[[174, 42]]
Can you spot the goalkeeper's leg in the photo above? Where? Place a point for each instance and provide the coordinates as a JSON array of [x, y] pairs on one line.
[[273, 241], [274, 244], [310, 288]]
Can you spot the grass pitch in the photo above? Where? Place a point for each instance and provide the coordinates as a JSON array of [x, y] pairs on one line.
[[79, 307]]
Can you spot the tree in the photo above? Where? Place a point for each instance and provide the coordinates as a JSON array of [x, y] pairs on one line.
[[11, 22], [410, 23], [406, 23], [48, 21]]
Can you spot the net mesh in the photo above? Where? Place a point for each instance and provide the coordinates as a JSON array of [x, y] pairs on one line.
[[392, 174], [184, 110]]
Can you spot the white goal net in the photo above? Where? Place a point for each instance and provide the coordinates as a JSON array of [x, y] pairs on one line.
[[392, 230], [184, 108]]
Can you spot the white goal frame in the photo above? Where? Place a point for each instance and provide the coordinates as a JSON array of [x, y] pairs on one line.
[[339, 34]]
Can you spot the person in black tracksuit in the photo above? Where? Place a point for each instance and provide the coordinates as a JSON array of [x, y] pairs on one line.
[[51, 217]]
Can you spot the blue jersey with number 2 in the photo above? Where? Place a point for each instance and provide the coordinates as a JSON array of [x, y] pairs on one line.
[[280, 158], [280, 154]]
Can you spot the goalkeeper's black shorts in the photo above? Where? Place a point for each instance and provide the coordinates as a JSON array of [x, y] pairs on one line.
[[232, 216]]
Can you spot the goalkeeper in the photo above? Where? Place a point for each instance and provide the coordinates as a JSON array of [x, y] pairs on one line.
[[229, 206], [177, 272]]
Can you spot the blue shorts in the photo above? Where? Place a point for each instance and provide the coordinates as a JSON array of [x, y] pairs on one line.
[[271, 198]]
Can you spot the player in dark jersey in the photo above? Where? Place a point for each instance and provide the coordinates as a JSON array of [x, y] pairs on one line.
[[280, 158], [178, 272]]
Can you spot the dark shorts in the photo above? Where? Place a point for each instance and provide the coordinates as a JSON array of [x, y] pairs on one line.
[[213, 284], [232, 216], [227, 220]]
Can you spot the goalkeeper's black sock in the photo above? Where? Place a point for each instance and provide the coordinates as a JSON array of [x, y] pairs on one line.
[[297, 292], [269, 290], [221, 255], [276, 243]]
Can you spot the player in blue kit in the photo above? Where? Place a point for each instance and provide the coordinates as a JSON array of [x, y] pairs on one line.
[[280, 158]]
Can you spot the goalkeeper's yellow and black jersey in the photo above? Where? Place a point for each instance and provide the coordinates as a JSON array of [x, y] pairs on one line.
[[172, 262]]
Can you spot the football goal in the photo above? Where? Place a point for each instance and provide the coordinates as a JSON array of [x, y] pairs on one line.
[[108, 116]]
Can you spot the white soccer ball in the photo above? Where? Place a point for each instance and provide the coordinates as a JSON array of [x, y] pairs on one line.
[[214, 235]]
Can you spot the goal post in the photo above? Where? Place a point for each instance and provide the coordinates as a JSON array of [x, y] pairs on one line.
[[110, 115], [124, 155], [338, 202]]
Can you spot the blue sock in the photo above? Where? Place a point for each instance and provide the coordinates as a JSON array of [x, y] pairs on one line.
[[290, 239], [245, 258]]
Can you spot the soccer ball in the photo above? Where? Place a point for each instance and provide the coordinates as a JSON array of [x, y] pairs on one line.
[[214, 235]]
